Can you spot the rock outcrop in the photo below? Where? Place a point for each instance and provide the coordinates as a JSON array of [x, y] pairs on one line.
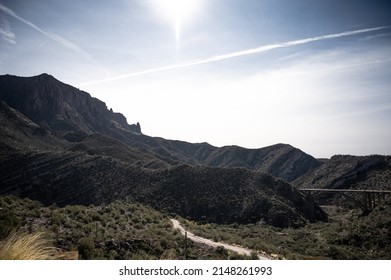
[[60, 107]]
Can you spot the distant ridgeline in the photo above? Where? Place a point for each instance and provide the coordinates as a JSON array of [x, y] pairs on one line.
[[60, 145]]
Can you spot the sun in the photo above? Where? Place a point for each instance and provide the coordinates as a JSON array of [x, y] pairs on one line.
[[177, 12]]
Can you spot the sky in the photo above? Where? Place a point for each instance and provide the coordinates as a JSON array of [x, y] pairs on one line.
[[315, 74]]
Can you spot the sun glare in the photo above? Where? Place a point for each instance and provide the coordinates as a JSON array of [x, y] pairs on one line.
[[177, 12]]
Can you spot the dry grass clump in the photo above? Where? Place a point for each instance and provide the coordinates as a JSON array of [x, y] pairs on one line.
[[23, 246]]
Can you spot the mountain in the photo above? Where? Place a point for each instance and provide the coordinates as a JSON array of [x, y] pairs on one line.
[[348, 172], [59, 145], [60, 107], [281, 160], [73, 115]]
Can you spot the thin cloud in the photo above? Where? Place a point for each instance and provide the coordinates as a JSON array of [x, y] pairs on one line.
[[382, 35], [257, 50], [362, 112], [54, 37], [6, 33]]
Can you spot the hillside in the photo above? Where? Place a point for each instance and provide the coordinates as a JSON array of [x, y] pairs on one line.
[[19, 133], [117, 230], [348, 172], [221, 195], [280, 160]]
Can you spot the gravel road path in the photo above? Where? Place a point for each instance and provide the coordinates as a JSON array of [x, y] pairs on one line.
[[198, 239]]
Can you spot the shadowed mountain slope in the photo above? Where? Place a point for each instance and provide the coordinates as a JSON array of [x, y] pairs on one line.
[[280, 160], [19, 133], [348, 172], [220, 195]]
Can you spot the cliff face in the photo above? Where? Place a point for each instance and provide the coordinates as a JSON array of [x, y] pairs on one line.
[[60, 107]]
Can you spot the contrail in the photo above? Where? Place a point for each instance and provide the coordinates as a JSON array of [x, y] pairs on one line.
[[260, 49], [5, 32], [66, 43]]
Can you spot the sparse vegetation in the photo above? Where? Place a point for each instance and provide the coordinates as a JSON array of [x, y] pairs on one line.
[[348, 235], [132, 231], [117, 230]]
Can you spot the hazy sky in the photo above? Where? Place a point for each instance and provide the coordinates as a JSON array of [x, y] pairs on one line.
[[315, 74]]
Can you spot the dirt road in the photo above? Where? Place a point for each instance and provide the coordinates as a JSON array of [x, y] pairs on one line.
[[198, 239]]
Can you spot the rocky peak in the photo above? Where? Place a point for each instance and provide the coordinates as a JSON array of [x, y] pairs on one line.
[[60, 107]]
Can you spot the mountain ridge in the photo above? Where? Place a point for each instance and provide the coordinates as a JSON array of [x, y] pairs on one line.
[[49, 103]]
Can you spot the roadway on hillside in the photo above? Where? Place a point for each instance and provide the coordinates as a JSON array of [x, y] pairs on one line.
[[198, 239]]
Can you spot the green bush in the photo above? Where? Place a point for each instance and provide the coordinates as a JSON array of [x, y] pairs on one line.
[[57, 218], [9, 222], [86, 248]]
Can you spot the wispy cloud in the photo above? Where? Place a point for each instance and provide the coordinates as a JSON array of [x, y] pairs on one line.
[[5, 31], [376, 36], [54, 37], [231, 55]]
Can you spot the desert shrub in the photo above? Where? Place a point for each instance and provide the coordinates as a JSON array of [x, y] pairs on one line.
[[8, 222], [112, 255], [32, 204], [57, 218], [254, 256], [169, 254], [221, 251], [96, 217], [86, 248]]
